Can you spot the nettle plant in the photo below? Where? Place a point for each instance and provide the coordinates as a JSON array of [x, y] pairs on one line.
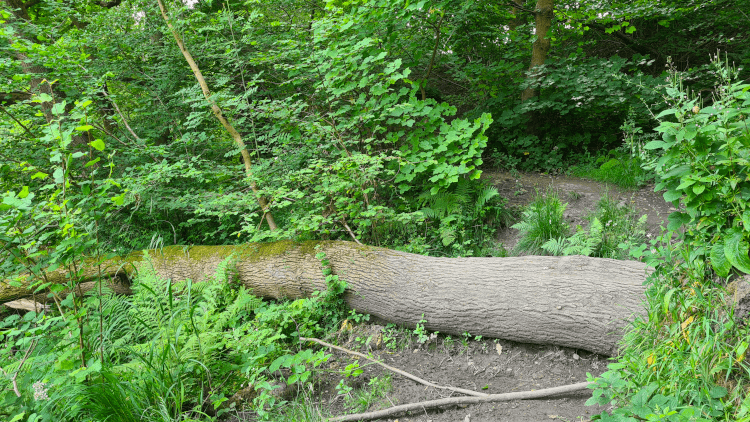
[[705, 166]]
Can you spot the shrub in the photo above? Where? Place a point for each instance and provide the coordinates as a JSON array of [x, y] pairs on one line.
[[705, 165]]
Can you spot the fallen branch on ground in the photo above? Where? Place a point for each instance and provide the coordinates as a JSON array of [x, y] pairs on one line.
[[453, 401], [396, 370], [474, 397]]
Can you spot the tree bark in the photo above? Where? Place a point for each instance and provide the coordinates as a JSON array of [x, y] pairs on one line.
[[575, 301], [544, 12]]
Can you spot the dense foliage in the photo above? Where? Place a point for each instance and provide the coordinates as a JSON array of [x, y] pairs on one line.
[[366, 120]]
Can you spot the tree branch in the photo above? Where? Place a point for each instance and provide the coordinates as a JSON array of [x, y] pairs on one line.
[[25, 356], [396, 370], [219, 115], [124, 121], [453, 401], [17, 121], [631, 43], [523, 9], [31, 3]]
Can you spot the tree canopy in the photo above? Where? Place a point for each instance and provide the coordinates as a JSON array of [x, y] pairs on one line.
[[356, 115]]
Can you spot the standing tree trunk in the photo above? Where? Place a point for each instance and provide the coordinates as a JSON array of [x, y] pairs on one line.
[[544, 12], [220, 116], [580, 302]]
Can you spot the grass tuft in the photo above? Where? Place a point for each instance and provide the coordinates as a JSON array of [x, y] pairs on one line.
[[541, 221]]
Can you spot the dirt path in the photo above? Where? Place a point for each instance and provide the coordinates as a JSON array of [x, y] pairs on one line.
[[477, 365], [581, 196]]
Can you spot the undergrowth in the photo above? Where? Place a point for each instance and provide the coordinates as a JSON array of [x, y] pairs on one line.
[[613, 230], [171, 351], [684, 360]]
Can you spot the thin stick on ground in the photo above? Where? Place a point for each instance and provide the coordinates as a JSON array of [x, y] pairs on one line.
[[453, 401], [396, 370]]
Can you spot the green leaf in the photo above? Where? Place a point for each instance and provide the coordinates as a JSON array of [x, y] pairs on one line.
[[656, 145], [746, 219], [677, 220], [84, 128], [58, 175], [24, 192], [678, 171], [18, 417], [98, 144], [719, 262], [667, 300], [698, 189], [39, 175], [735, 250], [672, 195], [666, 112], [718, 392], [92, 162]]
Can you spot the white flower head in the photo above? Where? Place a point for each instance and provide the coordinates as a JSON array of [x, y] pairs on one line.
[[40, 391]]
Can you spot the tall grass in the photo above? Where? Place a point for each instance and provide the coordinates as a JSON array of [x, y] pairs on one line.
[[541, 221]]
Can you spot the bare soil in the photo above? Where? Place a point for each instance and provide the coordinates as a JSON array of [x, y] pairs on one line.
[[479, 364]]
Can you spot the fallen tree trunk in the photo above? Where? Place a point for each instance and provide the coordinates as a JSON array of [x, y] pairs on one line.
[[573, 301]]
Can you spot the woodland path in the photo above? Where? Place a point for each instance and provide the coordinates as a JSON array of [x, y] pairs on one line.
[[581, 195]]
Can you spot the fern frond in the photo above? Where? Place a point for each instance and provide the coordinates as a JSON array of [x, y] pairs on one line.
[[555, 246]]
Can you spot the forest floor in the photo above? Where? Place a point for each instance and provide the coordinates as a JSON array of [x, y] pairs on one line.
[[478, 364]]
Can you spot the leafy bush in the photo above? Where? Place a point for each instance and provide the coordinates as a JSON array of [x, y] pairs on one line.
[[162, 351], [704, 165], [686, 360], [582, 103], [616, 168]]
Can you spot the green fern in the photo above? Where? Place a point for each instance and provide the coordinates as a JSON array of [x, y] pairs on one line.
[[555, 246], [464, 215]]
